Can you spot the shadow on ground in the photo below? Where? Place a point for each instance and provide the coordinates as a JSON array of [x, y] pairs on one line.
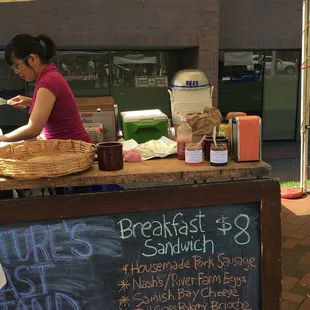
[[285, 169], [284, 157]]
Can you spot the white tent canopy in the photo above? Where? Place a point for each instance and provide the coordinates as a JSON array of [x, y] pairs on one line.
[[134, 59]]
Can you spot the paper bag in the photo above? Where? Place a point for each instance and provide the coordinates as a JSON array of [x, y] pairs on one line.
[[203, 124]]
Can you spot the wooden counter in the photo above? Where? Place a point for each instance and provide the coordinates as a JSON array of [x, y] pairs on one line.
[[195, 246], [161, 170]]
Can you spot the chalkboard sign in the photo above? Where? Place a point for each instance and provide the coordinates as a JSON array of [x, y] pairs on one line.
[[182, 259]]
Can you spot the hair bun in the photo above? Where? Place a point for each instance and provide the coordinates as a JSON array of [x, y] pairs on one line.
[[48, 45], [43, 44]]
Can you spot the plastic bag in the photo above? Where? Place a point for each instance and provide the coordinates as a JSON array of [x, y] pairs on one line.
[[133, 156], [162, 147]]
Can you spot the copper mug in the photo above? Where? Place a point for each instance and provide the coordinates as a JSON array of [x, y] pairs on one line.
[[110, 156]]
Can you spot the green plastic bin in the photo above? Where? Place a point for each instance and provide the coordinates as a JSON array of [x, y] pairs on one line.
[[144, 125]]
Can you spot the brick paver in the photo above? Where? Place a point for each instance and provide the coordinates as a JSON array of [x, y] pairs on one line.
[[296, 254]]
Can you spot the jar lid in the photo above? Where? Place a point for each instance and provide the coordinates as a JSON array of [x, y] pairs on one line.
[[219, 144], [225, 121]]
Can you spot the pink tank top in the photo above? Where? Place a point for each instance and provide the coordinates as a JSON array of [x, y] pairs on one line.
[[64, 121]]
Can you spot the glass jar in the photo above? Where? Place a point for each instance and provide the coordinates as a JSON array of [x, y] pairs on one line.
[[207, 144], [219, 154], [193, 154]]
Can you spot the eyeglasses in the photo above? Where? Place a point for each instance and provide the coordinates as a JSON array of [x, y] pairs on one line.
[[16, 67]]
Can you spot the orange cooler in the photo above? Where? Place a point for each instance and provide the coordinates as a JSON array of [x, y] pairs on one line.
[[246, 138]]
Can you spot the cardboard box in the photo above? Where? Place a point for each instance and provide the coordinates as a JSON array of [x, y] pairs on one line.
[[100, 110], [95, 131], [94, 103]]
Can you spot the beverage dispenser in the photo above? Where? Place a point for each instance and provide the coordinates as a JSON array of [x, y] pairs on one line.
[[190, 93]]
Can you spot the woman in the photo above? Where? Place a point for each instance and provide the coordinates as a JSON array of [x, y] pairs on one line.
[[52, 107]]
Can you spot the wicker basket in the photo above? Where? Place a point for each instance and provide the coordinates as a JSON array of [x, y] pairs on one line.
[[36, 159]]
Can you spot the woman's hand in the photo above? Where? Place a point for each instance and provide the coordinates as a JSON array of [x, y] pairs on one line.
[[20, 102], [42, 109]]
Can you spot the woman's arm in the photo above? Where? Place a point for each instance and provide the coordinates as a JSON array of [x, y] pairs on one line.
[[20, 102], [42, 109]]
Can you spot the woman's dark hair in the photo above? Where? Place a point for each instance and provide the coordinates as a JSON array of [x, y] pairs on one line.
[[23, 45]]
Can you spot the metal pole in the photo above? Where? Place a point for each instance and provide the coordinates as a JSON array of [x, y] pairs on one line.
[[304, 110]]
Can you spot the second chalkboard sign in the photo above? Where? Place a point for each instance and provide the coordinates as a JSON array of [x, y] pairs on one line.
[[185, 259]]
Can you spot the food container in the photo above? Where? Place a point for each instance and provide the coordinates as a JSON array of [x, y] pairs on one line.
[[144, 125], [190, 92], [231, 115], [225, 129], [207, 143], [219, 154], [193, 154]]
